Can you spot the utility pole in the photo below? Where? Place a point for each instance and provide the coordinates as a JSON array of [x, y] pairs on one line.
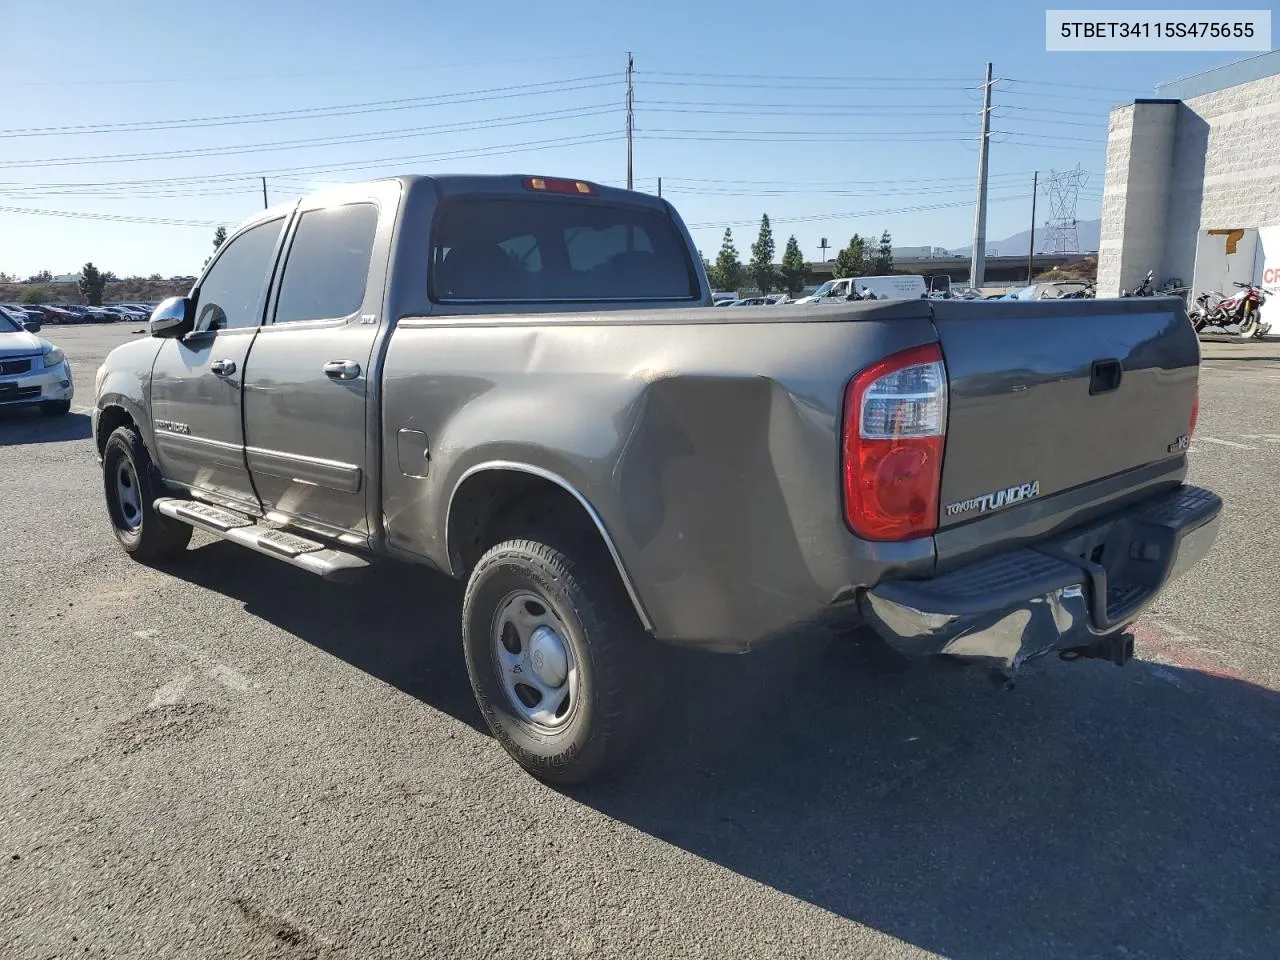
[[659, 186], [264, 193], [1031, 250], [978, 259], [631, 92], [823, 247]]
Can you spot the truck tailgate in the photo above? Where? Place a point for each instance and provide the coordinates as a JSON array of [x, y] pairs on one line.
[[1083, 400]]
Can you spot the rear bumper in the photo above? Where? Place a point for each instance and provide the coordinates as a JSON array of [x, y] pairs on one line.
[[1068, 592]]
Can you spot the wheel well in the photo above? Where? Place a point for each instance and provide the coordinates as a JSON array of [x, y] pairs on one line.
[[497, 505], [108, 421]]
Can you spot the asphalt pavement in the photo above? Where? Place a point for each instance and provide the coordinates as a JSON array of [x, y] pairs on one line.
[[229, 758]]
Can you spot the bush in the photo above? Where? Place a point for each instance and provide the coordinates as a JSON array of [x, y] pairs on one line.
[[37, 295]]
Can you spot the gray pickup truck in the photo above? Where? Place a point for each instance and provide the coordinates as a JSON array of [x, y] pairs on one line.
[[519, 381]]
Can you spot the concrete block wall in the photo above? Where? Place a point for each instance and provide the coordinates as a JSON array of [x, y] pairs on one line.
[[1176, 168], [1226, 168], [1135, 201]]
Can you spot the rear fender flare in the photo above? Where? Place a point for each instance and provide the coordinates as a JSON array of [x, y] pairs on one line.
[[592, 513]]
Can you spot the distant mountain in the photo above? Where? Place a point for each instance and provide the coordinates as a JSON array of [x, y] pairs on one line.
[[1089, 231]]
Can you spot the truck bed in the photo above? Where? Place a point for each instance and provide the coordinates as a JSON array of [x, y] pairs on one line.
[[708, 441]]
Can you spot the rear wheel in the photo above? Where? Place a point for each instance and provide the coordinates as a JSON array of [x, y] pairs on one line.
[[558, 661], [131, 485]]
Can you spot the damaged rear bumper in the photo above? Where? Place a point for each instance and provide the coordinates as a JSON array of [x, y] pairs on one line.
[[1076, 591]]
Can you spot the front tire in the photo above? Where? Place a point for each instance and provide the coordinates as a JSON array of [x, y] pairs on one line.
[[131, 484], [557, 659]]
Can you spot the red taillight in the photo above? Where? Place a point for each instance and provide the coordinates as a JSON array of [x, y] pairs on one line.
[[895, 426], [1195, 412], [551, 185]]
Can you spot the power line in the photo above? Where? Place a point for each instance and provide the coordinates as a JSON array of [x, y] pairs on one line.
[[568, 113], [789, 86], [1056, 96], [1065, 86], [497, 150], [221, 78], [877, 107], [966, 177], [787, 136], [848, 215], [116, 218], [785, 112], [784, 76], [326, 112]]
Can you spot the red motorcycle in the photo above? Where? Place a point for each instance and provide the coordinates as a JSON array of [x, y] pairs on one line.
[[1242, 310]]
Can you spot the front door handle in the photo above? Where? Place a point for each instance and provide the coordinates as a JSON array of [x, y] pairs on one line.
[[223, 368], [342, 369]]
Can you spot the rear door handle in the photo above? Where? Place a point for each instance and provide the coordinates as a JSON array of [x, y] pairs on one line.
[[223, 368], [342, 369], [1105, 376]]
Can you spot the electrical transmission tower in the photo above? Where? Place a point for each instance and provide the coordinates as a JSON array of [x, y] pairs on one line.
[[1064, 193]]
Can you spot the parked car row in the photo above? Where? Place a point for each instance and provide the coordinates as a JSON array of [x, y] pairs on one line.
[[67, 313]]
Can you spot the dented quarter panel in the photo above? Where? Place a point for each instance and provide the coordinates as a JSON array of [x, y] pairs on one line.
[[710, 449]]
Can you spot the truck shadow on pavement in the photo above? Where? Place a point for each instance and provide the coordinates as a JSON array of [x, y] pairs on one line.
[[1089, 811], [18, 427]]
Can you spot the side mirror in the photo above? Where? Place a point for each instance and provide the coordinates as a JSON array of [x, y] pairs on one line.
[[32, 326], [172, 318]]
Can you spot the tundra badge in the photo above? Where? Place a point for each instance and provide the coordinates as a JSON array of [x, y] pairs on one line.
[[994, 501]]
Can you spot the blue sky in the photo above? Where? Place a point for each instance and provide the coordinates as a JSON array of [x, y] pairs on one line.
[[833, 118]]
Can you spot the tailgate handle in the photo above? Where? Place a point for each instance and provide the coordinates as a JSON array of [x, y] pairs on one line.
[[1105, 376]]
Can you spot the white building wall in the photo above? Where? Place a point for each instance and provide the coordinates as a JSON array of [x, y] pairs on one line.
[[1135, 196], [1177, 168], [1226, 168]]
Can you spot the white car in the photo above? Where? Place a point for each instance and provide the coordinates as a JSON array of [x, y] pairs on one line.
[[33, 372]]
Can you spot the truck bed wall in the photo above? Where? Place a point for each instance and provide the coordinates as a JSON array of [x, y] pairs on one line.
[[709, 448]]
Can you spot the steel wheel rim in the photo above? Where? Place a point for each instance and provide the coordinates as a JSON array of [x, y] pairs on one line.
[[533, 660], [128, 496]]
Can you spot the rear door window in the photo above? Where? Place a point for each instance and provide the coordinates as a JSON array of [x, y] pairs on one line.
[[328, 264], [515, 249]]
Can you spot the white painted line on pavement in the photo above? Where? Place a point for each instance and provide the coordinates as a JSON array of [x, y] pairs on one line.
[[1225, 443], [170, 693], [1168, 676], [232, 679]]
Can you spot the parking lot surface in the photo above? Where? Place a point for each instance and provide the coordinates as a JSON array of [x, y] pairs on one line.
[[229, 758]]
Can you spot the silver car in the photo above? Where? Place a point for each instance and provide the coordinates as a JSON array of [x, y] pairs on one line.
[[33, 372]]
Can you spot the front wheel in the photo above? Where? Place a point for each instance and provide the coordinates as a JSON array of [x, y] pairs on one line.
[[556, 657], [1249, 325], [131, 485]]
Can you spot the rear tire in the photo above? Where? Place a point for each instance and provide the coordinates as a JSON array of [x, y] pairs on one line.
[[529, 604], [131, 484], [55, 408]]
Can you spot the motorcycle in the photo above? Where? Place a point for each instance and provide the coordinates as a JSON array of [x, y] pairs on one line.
[[1143, 291], [1242, 310], [1088, 292]]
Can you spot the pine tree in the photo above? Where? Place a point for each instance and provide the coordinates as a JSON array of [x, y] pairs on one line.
[[852, 260], [92, 285], [794, 269], [761, 269], [884, 255], [728, 268], [219, 238]]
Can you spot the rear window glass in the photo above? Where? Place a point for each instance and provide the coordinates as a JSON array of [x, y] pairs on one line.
[[506, 249]]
